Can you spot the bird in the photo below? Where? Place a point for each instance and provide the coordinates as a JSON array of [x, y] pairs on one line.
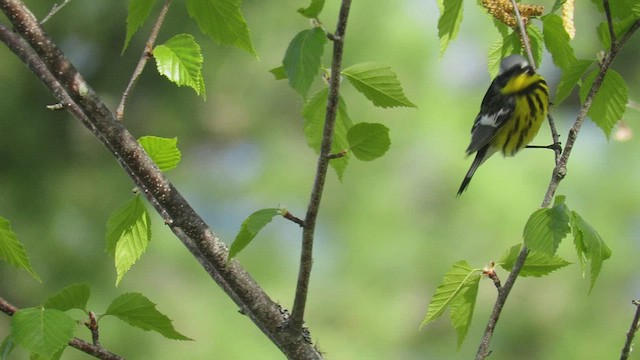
[[511, 113]]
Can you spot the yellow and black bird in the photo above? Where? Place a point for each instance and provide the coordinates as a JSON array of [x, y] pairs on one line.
[[511, 113]]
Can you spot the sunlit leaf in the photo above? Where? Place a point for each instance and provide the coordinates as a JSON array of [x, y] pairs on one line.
[[462, 306], [128, 235], [609, 103], [222, 20], [302, 59], [378, 83], [557, 41], [546, 228], [251, 226], [42, 331], [589, 246], [368, 141], [180, 60], [570, 77], [12, 251], [140, 312], [537, 264], [163, 151], [449, 23], [74, 296]]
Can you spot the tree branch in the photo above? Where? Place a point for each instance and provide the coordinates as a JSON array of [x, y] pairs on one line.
[[93, 350], [146, 55], [306, 255], [633, 329], [54, 70], [558, 174]]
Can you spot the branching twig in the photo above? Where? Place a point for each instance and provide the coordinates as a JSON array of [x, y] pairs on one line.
[[559, 172], [146, 55], [31, 44], [633, 329], [53, 11], [306, 256], [94, 350]]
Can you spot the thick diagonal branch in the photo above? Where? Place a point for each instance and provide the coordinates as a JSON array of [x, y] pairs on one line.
[[64, 81]]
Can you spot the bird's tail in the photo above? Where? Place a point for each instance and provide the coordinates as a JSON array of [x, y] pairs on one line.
[[481, 156]]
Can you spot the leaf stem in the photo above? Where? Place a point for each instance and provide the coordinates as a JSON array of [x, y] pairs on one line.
[[558, 174], [146, 55], [306, 255]]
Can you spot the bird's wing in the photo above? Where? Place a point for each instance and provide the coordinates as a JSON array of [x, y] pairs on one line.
[[495, 110]]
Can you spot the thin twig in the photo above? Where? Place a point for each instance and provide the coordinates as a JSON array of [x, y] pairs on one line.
[[306, 255], [146, 55], [607, 11], [523, 34], [53, 11], [559, 172], [633, 329], [94, 350], [54, 70], [289, 216]]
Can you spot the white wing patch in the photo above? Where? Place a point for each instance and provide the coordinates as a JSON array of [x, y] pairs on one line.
[[492, 119]]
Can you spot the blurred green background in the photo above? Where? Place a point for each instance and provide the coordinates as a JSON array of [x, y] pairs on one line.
[[386, 234]]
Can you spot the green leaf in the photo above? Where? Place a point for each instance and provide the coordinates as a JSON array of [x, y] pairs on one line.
[[250, 227], [42, 331], [314, 113], [313, 10], [180, 60], [163, 151], [462, 307], [368, 141], [589, 246], [537, 43], [619, 28], [537, 264], [74, 296], [128, 235], [302, 59], [501, 48], [609, 103], [546, 228], [139, 11], [222, 21], [570, 77], [138, 311], [557, 41], [449, 23], [12, 251], [378, 83], [278, 73], [557, 5], [455, 280]]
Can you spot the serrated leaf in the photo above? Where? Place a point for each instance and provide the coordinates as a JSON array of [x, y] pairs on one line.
[[546, 228], [455, 280], [314, 114], [302, 59], [313, 10], [507, 45], [557, 41], [278, 73], [180, 60], [138, 311], [589, 246], [250, 227], [128, 235], [378, 83], [449, 23], [570, 77], [222, 21], [537, 43], [609, 103], [12, 250], [537, 264], [139, 11], [462, 306], [368, 141], [619, 28], [42, 331], [74, 296], [163, 151]]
